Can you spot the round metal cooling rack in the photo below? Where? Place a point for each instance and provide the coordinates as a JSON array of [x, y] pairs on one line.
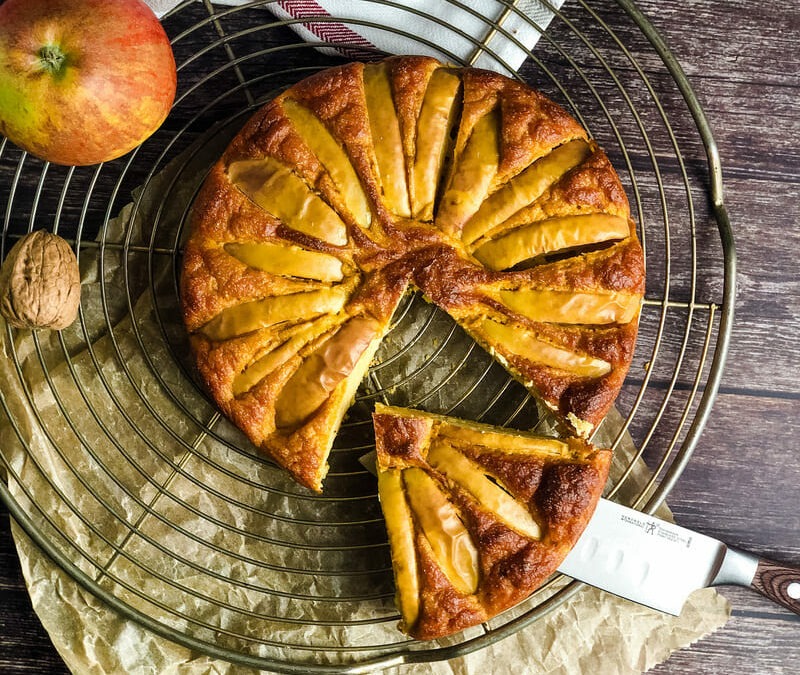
[[124, 473]]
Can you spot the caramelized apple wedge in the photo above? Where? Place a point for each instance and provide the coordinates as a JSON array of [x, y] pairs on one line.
[[468, 475], [333, 157], [438, 518], [571, 307], [480, 435], [472, 174], [386, 140], [294, 340], [287, 260], [400, 528], [525, 188], [250, 316], [516, 340], [437, 117], [283, 194], [550, 236], [319, 374]]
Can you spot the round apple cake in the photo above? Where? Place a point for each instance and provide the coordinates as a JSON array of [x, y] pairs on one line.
[[365, 180]]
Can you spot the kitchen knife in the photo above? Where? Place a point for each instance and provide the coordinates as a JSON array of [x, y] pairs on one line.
[[658, 564]]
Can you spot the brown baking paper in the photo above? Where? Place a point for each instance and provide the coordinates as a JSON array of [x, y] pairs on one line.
[[73, 459]]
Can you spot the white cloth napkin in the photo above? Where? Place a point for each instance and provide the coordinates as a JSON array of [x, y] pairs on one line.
[[460, 36]]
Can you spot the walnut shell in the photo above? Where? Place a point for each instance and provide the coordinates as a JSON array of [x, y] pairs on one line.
[[40, 284]]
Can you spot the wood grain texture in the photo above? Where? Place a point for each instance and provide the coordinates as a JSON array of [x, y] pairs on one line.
[[25, 646], [743, 60], [774, 580]]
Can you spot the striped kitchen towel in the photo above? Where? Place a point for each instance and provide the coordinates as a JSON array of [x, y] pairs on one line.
[[496, 34]]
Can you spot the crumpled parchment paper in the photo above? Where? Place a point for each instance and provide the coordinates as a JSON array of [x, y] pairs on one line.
[[590, 634], [124, 465]]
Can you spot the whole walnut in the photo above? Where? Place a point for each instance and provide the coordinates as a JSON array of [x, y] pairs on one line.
[[40, 284]]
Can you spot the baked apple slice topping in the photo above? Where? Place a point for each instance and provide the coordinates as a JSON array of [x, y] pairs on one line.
[[287, 260], [473, 171], [385, 129], [525, 188], [437, 118], [552, 235], [571, 307], [471, 477], [333, 157], [289, 343], [321, 371], [400, 528], [280, 192], [258, 314], [504, 339], [481, 436], [439, 520]]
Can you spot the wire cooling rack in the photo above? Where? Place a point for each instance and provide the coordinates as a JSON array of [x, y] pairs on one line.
[[121, 469]]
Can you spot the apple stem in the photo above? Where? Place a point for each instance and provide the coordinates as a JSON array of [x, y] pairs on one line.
[[52, 58]]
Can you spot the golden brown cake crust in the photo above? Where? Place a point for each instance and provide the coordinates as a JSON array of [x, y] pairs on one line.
[[532, 124], [560, 491], [310, 172]]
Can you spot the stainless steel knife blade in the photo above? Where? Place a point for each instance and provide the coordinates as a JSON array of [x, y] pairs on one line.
[[643, 558], [659, 564]]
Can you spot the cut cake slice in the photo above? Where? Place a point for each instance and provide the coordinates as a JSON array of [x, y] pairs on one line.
[[478, 517]]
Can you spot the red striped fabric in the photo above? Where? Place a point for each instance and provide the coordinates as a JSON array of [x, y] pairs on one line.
[[346, 40]]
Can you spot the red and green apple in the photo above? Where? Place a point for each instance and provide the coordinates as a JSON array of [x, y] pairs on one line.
[[82, 81]]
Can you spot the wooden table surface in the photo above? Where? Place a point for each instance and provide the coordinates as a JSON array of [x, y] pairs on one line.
[[743, 60]]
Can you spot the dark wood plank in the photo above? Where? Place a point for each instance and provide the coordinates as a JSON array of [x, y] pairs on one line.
[[751, 642], [25, 646], [741, 487], [736, 40], [743, 60], [743, 63]]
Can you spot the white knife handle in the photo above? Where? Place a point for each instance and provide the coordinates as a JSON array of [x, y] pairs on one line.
[[780, 583]]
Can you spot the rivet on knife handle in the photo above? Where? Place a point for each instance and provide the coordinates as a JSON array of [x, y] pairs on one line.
[[778, 583]]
